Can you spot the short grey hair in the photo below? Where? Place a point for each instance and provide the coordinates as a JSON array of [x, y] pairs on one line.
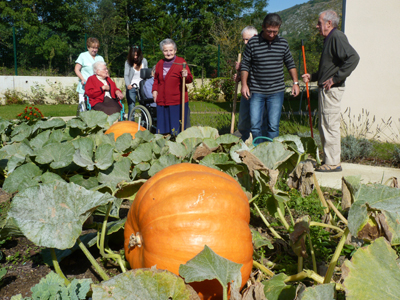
[[167, 42], [331, 15], [250, 29], [97, 65]]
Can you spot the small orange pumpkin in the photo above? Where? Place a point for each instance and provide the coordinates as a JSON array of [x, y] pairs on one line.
[[122, 127], [181, 209]]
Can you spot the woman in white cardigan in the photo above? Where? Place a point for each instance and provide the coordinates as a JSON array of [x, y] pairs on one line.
[[134, 63]]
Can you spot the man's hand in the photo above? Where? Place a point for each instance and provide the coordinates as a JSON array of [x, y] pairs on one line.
[[245, 91], [327, 84], [129, 87], [306, 77], [119, 95], [295, 90]]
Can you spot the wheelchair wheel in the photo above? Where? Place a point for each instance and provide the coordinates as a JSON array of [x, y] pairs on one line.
[[141, 115]]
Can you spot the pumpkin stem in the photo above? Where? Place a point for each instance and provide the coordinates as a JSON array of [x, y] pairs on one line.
[[135, 240]]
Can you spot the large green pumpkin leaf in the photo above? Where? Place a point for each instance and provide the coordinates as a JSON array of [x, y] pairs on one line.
[[56, 136], [23, 177], [84, 153], [276, 288], [213, 159], [128, 190], [52, 215], [58, 155], [207, 265], [15, 155], [49, 124], [197, 132], [38, 141], [144, 135], [259, 240], [117, 173], [376, 197], [88, 184], [158, 144], [123, 142], [21, 132], [144, 284], [320, 292], [178, 149], [76, 123], [163, 162], [94, 118], [272, 154], [4, 125], [372, 273], [50, 177], [227, 139], [104, 156], [142, 153]]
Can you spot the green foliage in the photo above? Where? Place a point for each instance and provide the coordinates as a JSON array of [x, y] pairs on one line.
[[396, 155], [13, 97], [226, 86], [224, 270], [377, 258], [53, 287], [353, 148], [145, 284]]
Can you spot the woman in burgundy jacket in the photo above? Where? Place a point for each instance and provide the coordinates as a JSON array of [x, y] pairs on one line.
[[102, 92], [167, 90]]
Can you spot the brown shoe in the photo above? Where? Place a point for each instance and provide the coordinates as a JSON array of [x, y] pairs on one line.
[[329, 168]]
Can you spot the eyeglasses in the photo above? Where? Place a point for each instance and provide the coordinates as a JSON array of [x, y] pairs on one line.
[[135, 47]]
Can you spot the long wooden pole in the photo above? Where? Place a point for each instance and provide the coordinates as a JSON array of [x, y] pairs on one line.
[[183, 97], [308, 91], [235, 98]]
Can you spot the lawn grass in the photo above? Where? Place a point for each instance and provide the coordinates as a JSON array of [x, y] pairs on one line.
[[10, 112]]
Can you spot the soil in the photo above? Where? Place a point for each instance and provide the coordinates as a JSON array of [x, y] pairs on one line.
[[25, 266]]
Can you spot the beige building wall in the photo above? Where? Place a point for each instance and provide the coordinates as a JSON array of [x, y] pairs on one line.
[[374, 87]]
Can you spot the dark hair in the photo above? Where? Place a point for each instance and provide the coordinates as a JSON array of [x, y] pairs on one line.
[[272, 20], [131, 56], [92, 41]]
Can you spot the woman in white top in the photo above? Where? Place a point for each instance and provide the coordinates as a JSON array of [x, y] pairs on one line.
[[83, 67], [133, 64]]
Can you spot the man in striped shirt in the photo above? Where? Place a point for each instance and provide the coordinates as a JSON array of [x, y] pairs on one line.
[[262, 76]]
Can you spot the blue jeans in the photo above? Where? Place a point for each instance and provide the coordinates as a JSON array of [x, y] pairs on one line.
[[244, 124], [131, 99], [272, 104]]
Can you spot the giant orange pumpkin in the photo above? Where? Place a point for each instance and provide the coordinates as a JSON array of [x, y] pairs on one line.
[[181, 209], [122, 127]]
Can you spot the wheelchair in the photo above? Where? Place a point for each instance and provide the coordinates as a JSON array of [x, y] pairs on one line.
[[89, 107], [144, 114]]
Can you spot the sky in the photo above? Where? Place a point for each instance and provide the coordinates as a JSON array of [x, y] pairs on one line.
[[278, 5]]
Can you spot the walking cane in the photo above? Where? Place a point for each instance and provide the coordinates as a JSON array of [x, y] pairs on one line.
[[183, 97], [235, 98], [308, 92]]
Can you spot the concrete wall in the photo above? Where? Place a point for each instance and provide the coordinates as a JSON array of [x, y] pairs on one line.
[[25, 83], [375, 84]]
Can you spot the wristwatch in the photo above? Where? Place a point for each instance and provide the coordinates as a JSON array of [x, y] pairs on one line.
[[296, 83]]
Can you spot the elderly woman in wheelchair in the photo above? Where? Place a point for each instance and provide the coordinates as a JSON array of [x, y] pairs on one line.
[[102, 91]]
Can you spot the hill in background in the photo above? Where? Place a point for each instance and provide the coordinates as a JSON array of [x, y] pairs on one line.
[[300, 19]]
